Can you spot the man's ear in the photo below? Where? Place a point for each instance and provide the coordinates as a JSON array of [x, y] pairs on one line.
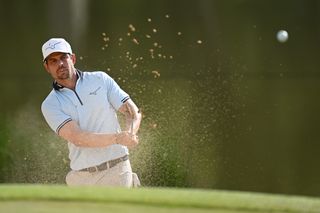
[[74, 58], [46, 66]]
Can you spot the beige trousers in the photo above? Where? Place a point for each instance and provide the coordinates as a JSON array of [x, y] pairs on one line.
[[120, 175]]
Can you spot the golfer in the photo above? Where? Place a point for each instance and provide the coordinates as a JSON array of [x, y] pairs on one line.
[[81, 108]]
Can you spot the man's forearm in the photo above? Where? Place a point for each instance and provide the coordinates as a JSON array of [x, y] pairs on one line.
[[72, 133], [133, 124], [90, 140], [132, 115]]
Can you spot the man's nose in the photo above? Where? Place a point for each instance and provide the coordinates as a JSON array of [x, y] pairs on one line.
[[60, 62]]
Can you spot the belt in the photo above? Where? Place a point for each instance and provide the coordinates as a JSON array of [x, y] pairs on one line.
[[106, 165]]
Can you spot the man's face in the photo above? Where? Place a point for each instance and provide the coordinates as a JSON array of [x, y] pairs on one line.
[[60, 65]]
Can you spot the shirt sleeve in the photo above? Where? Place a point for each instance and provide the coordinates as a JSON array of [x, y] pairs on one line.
[[54, 116], [116, 95]]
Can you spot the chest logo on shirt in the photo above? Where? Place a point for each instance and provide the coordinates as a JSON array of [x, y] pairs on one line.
[[95, 92]]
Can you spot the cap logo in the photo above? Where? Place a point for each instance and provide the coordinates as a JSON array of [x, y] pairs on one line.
[[52, 46]]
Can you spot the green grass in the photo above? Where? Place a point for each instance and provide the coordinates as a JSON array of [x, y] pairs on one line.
[[56, 198]]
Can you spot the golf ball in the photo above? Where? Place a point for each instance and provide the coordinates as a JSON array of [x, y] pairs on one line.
[[282, 36]]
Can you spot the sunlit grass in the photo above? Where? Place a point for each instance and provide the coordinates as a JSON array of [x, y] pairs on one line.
[[15, 197]]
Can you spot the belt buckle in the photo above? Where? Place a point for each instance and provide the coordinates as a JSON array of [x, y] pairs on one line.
[[93, 169]]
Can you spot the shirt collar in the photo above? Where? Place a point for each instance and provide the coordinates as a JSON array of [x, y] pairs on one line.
[[58, 87]]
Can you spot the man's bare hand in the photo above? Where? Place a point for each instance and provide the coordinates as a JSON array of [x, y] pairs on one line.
[[127, 139]]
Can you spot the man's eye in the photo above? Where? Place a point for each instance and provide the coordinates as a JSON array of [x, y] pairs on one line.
[[64, 57]]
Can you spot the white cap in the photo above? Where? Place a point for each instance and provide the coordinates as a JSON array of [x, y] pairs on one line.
[[55, 45]]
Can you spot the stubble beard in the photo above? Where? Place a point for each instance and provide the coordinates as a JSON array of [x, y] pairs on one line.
[[63, 73]]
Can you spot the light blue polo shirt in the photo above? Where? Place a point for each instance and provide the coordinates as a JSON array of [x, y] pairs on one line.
[[93, 105]]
